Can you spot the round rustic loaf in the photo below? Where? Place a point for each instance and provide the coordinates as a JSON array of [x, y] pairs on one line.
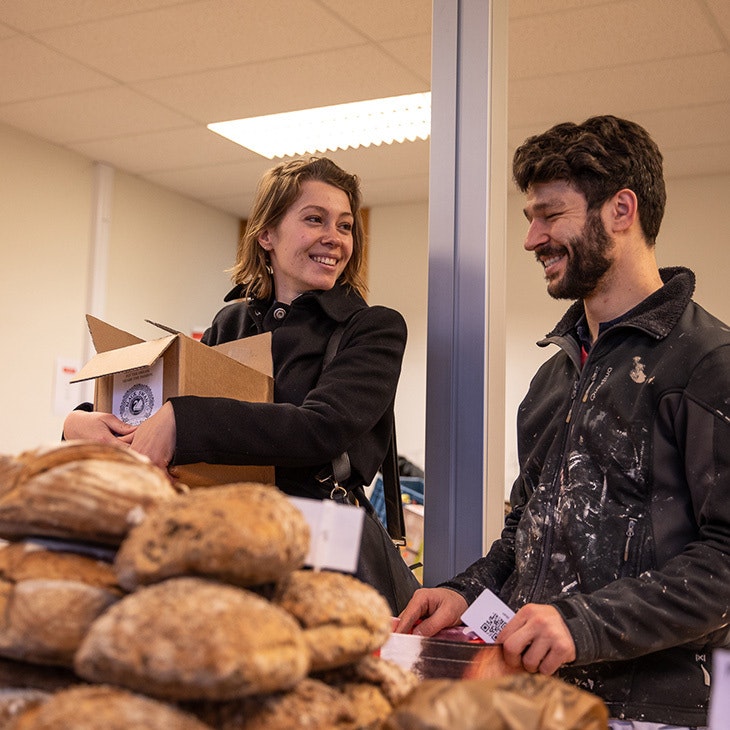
[[48, 600], [78, 490], [98, 707], [193, 638], [245, 534], [343, 618]]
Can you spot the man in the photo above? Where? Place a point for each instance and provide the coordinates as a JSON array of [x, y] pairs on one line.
[[615, 554]]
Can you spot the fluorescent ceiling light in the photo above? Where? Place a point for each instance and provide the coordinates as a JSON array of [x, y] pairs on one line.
[[359, 124]]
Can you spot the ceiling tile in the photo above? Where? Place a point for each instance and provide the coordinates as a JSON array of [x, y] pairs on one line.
[[414, 53], [332, 77], [199, 36], [607, 35], [172, 149], [535, 103], [698, 161], [708, 122], [720, 10], [214, 181], [33, 15], [44, 72], [90, 115], [524, 8], [384, 19]]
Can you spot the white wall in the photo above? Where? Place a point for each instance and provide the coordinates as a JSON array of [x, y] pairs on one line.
[[399, 279], [166, 260], [45, 197]]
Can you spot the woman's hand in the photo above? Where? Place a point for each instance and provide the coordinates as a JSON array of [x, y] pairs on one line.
[[155, 437], [95, 426]]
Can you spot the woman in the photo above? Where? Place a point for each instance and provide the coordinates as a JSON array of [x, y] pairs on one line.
[[298, 275]]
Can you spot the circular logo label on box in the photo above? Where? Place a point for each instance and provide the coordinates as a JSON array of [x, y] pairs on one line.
[[137, 404]]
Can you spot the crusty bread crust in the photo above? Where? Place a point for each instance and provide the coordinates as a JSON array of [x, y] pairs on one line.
[[193, 638], [343, 618], [246, 534]]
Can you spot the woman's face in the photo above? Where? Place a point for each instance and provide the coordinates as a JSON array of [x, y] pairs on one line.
[[312, 243]]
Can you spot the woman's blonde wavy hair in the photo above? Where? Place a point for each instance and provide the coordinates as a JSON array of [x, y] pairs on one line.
[[277, 190]]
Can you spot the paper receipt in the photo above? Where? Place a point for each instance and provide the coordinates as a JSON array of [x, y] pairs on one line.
[[487, 616]]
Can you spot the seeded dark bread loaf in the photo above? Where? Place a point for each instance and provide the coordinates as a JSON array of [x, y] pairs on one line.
[[343, 618], [245, 534], [104, 708], [193, 638], [78, 490], [48, 600]]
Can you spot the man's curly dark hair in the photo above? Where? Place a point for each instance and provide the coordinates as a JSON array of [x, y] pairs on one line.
[[599, 157]]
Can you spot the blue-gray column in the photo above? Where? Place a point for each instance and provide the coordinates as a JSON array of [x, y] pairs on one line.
[[458, 287]]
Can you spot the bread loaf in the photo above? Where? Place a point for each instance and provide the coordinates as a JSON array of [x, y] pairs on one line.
[[78, 490], [48, 600], [343, 619], [246, 534], [104, 708], [192, 638]]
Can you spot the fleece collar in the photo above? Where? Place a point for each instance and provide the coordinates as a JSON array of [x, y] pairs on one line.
[[656, 315]]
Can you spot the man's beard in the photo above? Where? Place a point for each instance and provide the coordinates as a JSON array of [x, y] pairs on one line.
[[588, 263]]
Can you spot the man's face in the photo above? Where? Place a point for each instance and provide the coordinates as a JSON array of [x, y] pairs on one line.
[[569, 241]]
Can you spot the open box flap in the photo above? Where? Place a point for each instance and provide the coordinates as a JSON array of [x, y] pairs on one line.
[[107, 337], [253, 351], [142, 354]]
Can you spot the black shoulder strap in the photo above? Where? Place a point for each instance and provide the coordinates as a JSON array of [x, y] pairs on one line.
[[391, 482]]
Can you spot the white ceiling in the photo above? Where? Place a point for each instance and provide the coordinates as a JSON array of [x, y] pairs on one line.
[[134, 82]]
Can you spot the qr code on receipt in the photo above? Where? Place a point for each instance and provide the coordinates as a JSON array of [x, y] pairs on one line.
[[493, 625], [487, 616]]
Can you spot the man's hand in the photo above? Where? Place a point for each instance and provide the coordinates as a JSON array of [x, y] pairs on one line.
[[95, 426], [442, 608], [537, 639]]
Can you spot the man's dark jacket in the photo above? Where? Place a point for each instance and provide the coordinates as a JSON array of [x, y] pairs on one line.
[[312, 419], [621, 513]]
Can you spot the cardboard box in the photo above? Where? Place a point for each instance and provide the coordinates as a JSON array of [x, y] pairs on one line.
[[134, 377]]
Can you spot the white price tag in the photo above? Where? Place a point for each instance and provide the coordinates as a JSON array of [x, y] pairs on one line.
[[720, 692], [487, 616], [335, 532]]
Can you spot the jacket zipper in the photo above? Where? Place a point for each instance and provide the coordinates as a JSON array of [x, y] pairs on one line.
[[630, 531], [542, 572]]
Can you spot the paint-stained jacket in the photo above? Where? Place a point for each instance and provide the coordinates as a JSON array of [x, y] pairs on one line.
[[621, 513]]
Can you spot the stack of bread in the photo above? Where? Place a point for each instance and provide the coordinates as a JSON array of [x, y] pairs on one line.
[[127, 602]]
